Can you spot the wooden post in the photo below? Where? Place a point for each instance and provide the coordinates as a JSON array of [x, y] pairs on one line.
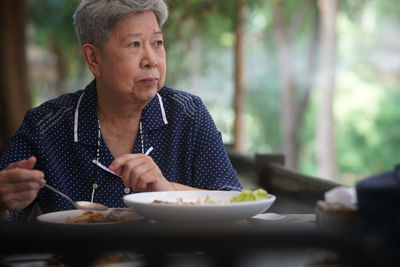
[[14, 92], [283, 41], [326, 148], [240, 94]]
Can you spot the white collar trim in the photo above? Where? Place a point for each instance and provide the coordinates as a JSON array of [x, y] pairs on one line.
[[76, 119], [164, 116]]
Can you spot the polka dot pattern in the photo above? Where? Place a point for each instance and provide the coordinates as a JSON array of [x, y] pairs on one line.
[[187, 147]]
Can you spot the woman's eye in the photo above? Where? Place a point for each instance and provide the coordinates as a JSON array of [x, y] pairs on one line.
[[158, 43], [135, 44]]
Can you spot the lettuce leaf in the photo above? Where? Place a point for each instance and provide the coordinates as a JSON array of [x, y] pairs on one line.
[[248, 195]]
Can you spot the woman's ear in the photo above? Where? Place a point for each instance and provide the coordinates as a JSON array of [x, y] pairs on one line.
[[92, 56]]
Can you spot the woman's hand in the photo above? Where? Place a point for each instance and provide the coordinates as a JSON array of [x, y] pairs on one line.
[[19, 184], [140, 173]]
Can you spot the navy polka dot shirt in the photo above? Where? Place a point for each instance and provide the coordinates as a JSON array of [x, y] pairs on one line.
[[178, 133]]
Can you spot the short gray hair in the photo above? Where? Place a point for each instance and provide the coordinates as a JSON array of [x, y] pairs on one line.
[[94, 20]]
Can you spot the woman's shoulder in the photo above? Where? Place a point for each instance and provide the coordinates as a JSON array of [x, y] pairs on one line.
[[179, 102], [61, 103], [171, 93], [50, 115], [53, 110], [181, 98]]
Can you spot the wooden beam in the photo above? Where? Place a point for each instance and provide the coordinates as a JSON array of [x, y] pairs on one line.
[[14, 93]]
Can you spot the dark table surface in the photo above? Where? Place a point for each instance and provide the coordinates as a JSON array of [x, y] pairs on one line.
[[225, 244]]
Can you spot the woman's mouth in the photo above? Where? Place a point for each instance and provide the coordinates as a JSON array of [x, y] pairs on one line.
[[149, 82]]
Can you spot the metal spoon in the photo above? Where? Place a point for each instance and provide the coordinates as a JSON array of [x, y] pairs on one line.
[[82, 205]]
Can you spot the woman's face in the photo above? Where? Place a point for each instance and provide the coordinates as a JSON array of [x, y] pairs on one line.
[[132, 63]]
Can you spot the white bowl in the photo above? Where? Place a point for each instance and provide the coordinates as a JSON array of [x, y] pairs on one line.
[[143, 204]]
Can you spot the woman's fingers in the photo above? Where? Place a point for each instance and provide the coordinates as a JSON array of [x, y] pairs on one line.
[[23, 164], [19, 184], [18, 196], [126, 174], [15, 176], [21, 172], [16, 202], [143, 175], [120, 161], [141, 184], [139, 172], [133, 170], [17, 189]]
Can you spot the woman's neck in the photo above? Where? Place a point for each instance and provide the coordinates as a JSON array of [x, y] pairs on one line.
[[118, 119], [119, 124], [118, 112], [119, 132]]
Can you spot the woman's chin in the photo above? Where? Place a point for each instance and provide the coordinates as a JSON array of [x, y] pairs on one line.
[[146, 96]]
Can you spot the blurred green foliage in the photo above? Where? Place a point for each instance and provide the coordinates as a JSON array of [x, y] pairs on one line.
[[53, 21]]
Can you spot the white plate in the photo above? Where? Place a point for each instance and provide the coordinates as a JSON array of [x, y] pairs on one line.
[[61, 217], [268, 217], [142, 203]]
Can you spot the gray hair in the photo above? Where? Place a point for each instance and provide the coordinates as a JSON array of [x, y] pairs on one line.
[[94, 20]]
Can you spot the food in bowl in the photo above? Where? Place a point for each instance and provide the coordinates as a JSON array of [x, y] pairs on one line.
[[245, 195]]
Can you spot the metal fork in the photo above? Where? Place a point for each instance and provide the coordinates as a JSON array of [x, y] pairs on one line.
[[115, 212]]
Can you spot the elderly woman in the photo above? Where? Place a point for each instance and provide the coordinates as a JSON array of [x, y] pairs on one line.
[[125, 132]]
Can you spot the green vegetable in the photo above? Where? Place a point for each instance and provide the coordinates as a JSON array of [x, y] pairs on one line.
[[210, 201], [248, 195]]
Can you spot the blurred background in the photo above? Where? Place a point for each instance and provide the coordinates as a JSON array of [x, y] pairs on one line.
[[315, 80]]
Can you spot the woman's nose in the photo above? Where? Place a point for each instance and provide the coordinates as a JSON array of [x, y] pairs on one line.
[[149, 59]]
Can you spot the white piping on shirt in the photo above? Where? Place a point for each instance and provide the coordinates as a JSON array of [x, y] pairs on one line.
[[77, 118], [104, 167], [148, 151], [162, 109]]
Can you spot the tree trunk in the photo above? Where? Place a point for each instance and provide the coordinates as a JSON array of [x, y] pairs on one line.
[[293, 102], [240, 93], [14, 92], [309, 75], [285, 56], [326, 153]]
